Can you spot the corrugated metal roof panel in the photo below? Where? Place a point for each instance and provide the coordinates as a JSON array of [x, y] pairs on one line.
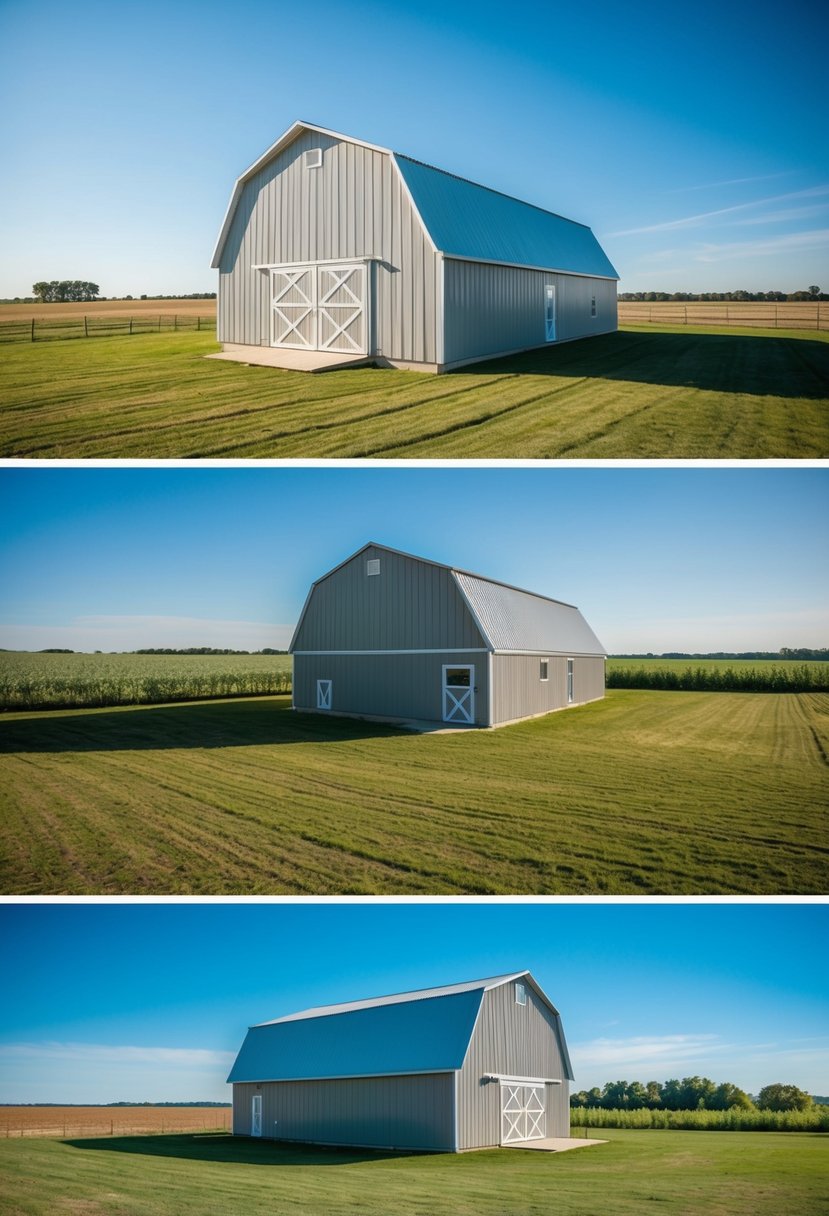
[[409, 1036], [472, 221], [518, 620]]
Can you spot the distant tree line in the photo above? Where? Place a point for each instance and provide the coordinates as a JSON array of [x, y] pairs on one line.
[[691, 1093], [58, 291], [810, 293], [202, 650], [803, 654], [38, 297]]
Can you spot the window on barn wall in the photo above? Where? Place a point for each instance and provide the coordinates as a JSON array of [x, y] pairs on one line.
[[593, 305], [313, 158], [570, 689], [543, 669], [550, 311], [520, 994], [373, 565]]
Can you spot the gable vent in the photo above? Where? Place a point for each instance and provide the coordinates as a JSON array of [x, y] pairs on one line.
[[373, 565], [313, 158]]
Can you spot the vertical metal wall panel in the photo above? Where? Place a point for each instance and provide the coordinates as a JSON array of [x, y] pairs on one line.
[[410, 1112], [387, 686], [519, 692], [518, 1040], [491, 309], [354, 206], [410, 604]]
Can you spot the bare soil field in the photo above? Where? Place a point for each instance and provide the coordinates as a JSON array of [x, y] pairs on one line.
[[110, 1120], [107, 308], [790, 314]]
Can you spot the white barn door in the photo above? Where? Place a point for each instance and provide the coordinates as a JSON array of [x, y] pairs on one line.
[[256, 1115], [459, 694], [320, 307], [523, 1113]]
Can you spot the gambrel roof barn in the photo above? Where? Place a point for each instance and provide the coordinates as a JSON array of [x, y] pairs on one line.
[[389, 635], [469, 1065], [335, 250]]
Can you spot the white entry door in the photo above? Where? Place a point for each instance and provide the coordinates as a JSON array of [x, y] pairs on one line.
[[324, 694], [320, 307], [523, 1114], [550, 311], [459, 693], [256, 1115]]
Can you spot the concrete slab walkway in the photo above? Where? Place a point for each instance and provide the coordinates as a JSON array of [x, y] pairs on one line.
[[554, 1144], [288, 360]]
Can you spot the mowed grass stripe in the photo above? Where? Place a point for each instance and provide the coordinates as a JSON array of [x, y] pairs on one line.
[[648, 792], [652, 391]]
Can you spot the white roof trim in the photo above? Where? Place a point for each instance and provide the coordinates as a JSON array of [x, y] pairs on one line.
[[575, 274], [399, 998], [507, 1080], [283, 142], [413, 204]]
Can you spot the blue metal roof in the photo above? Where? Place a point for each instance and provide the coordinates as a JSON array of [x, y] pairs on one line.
[[471, 221], [418, 1035]]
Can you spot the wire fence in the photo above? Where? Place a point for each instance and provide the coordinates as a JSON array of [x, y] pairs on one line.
[[753, 315], [36, 329], [220, 1120]]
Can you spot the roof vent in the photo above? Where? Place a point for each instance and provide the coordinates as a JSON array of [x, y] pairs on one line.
[[313, 158], [373, 565]]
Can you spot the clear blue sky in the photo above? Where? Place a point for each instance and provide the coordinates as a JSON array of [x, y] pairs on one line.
[[657, 559], [114, 1002], [694, 143]]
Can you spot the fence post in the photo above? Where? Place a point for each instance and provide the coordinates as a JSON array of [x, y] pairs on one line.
[[85, 327], [159, 324], [33, 329], [198, 324], [130, 325], [175, 322]]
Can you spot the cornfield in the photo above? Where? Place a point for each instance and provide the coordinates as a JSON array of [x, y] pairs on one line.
[[814, 1120], [755, 677], [78, 681]]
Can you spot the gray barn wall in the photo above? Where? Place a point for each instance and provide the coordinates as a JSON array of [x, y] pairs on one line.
[[517, 691], [353, 206], [516, 1040], [489, 309], [414, 1112], [408, 605]]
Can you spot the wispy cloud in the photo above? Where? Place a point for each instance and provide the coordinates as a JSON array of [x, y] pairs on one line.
[[785, 214], [696, 220], [731, 181], [801, 242], [644, 1049], [116, 1055]]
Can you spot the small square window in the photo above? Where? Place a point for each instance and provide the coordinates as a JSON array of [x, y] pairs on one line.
[[313, 158], [373, 565], [593, 305], [520, 994], [544, 669]]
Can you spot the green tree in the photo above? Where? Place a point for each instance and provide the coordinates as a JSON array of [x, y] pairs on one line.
[[783, 1097], [814, 292]]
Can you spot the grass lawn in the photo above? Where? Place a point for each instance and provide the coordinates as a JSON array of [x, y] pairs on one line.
[[684, 1173], [644, 792], [653, 391]]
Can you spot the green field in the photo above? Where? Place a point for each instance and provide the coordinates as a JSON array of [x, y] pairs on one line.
[[682, 1173], [640, 793], [759, 665], [57, 681], [719, 675], [653, 391]]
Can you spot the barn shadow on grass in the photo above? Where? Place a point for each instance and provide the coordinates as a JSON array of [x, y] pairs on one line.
[[256, 722], [741, 362], [237, 1150]]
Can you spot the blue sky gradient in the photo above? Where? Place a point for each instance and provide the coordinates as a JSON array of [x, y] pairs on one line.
[[657, 559], [694, 146], [127, 1002]]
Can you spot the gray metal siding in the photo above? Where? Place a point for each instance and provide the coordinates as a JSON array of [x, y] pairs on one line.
[[519, 1040], [492, 309], [354, 206], [518, 691], [389, 686], [409, 1112], [409, 605]]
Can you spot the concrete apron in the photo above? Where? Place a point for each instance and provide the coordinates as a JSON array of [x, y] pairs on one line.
[[554, 1144], [288, 360]]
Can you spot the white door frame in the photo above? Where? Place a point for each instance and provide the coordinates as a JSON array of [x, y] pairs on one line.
[[324, 693], [458, 700], [550, 312], [523, 1111], [256, 1115], [330, 321]]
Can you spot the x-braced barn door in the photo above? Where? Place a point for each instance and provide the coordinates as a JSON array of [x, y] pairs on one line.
[[320, 307], [523, 1114], [459, 694]]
